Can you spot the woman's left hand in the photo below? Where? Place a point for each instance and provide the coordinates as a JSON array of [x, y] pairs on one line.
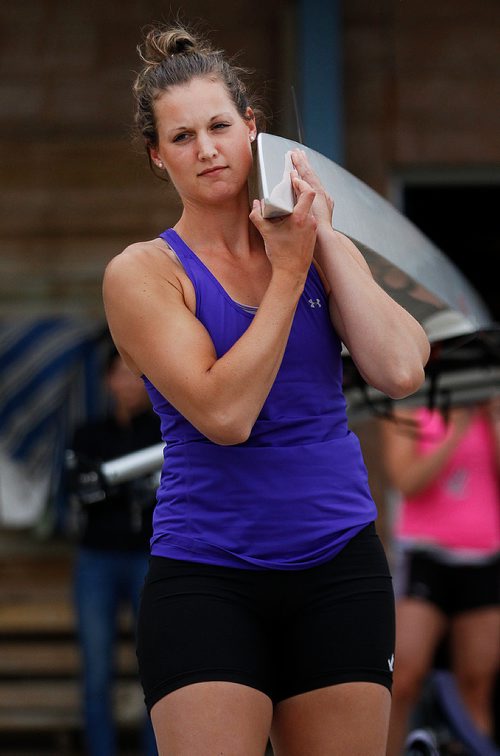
[[322, 206]]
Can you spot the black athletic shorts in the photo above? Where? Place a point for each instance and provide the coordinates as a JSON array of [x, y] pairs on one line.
[[452, 588], [281, 632]]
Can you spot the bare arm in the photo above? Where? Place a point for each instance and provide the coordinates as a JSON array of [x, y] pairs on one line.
[[159, 336], [387, 344], [411, 472]]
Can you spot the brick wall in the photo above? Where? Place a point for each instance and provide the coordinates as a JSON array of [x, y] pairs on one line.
[[75, 190], [422, 85]]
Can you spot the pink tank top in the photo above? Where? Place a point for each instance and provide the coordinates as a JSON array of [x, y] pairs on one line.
[[460, 510]]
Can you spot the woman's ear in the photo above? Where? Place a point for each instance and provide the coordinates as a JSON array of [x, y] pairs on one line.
[[155, 157], [252, 126]]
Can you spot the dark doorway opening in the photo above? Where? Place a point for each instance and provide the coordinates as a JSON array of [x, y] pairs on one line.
[[463, 220]]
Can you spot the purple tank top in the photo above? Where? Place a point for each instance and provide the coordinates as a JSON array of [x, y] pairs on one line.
[[296, 491]]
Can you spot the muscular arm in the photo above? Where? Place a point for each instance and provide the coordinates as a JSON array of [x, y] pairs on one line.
[[388, 346], [159, 336]]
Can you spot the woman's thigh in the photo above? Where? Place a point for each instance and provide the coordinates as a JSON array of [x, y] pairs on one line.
[[338, 622], [221, 634], [212, 718], [201, 624], [340, 720], [337, 657]]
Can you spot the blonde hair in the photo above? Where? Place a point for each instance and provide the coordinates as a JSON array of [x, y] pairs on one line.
[[174, 55]]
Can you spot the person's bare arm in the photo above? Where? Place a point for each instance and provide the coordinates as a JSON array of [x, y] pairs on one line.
[[387, 344], [160, 337], [411, 472]]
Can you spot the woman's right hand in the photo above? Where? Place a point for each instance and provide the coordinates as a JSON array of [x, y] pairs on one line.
[[289, 241]]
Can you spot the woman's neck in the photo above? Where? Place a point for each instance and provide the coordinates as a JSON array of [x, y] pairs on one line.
[[225, 229]]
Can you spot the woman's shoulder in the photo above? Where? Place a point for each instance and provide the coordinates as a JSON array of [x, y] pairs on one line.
[[141, 254], [141, 285], [144, 258]]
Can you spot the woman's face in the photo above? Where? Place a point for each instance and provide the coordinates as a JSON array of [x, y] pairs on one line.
[[203, 142]]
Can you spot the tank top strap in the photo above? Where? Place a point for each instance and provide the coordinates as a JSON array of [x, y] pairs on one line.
[[186, 257]]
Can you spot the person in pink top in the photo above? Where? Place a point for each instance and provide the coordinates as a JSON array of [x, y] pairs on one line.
[[447, 554]]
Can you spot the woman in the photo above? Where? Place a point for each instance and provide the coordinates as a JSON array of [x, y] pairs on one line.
[[448, 548], [264, 516]]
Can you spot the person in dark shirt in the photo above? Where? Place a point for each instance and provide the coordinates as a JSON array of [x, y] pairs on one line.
[[112, 525]]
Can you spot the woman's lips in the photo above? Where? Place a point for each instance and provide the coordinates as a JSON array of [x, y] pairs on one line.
[[213, 171]]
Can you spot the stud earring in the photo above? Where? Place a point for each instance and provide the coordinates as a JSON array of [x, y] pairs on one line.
[[160, 164], [252, 137]]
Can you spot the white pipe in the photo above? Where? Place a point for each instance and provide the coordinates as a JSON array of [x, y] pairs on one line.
[[133, 465]]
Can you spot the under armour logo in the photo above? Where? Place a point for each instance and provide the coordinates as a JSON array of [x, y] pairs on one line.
[[390, 663], [314, 303]]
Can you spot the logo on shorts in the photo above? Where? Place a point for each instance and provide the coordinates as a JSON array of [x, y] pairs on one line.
[[390, 663]]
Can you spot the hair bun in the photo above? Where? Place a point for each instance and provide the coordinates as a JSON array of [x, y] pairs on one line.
[[163, 42], [181, 42]]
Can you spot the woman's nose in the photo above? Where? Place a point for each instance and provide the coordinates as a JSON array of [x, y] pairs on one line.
[[206, 147]]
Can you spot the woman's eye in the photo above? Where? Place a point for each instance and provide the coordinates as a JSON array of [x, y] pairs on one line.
[[181, 137], [220, 125]]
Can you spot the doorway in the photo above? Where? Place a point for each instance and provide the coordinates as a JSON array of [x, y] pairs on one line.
[[462, 218]]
